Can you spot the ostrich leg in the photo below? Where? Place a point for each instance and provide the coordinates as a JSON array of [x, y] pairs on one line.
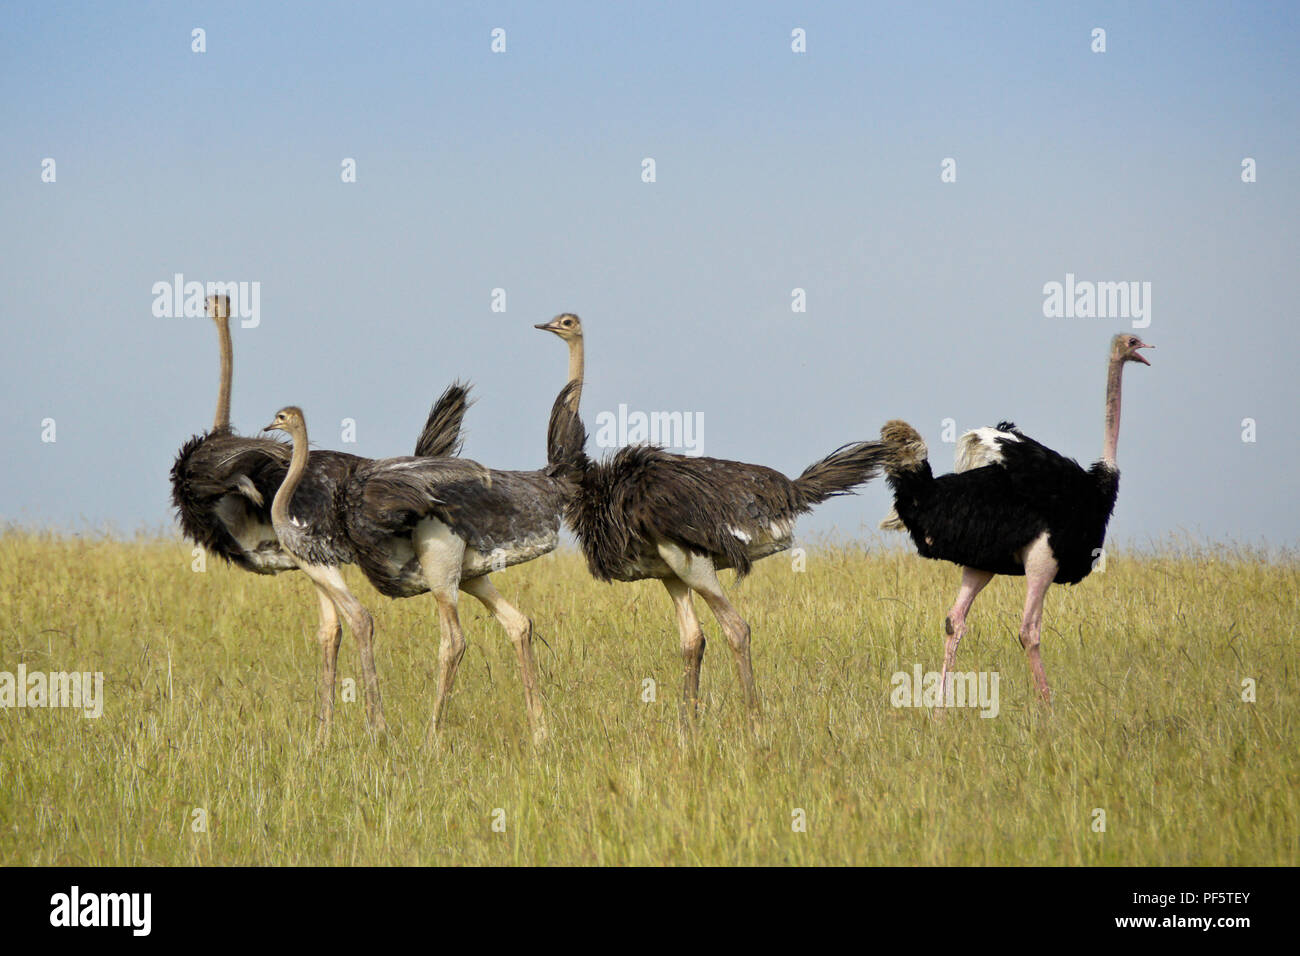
[[330, 580], [692, 636], [329, 636], [697, 571], [451, 649], [1040, 569], [442, 555], [520, 630], [954, 625]]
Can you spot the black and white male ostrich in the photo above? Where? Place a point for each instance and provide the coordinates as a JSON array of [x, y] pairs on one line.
[[435, 524], [649, 513], [223, 484], [1012, 506]]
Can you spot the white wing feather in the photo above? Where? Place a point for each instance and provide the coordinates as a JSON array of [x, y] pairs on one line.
[[979, 447]]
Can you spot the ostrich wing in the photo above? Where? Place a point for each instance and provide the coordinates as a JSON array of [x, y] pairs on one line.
[[513, 511], [222, 486], [511, 515], [1046, 481], [211, 466], [983, 446], [488, 509], [717, 507]]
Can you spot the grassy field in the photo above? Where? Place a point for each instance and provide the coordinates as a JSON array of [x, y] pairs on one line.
[[210, 682]]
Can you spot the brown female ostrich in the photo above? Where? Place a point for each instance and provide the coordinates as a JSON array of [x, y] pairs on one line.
[[223, 483], [1012, 506], [648, 513]]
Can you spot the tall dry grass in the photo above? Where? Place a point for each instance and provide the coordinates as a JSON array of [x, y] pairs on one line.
[[210, 685]]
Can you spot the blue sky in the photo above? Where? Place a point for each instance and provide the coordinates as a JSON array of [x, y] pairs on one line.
[[774, 171]]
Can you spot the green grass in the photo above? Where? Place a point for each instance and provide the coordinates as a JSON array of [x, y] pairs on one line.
[[210, 682]]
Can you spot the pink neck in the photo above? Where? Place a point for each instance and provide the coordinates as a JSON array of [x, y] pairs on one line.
[[1113, 376]]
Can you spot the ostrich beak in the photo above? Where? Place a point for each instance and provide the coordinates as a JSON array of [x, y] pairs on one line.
[[547, 327], [273, 427], [1138, 356]]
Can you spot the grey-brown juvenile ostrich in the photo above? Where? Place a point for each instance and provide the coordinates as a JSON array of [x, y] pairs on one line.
[[223, 484], [1013, 506], [648, 513], [429, 524], [436, 524]]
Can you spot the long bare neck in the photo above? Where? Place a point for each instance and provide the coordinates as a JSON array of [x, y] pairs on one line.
[[576, 362], [222, 418], [297, 466], [1114, 373]]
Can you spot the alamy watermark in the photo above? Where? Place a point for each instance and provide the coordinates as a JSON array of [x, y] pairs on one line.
[[77, 690], [965, 689], [683, 431], [75, 908], [180, 299], [1084, 299]]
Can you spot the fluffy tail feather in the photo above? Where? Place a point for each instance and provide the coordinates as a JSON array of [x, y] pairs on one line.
[[442, 436], [840, 472]]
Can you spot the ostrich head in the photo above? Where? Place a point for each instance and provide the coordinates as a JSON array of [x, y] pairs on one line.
[[566, 325], [218, 307], [288, 420], [1124, 348]]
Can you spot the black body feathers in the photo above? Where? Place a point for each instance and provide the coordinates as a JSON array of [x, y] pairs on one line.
[[986, 517]]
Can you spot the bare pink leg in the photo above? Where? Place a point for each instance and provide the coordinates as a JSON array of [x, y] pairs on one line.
[[1040, 569], [954, 625]]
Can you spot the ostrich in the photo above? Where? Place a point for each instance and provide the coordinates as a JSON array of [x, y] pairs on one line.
[[1012, 506], [222, 485], [440, 525], [648, 513], [430, 524]]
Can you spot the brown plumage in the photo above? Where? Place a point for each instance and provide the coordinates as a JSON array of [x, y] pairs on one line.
[[647, 513], [734, 512], [223, 485], [439, 525]]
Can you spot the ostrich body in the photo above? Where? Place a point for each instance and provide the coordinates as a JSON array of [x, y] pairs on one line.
[[223, 485], [441, 525], [1013, 506], [427, 524], [648, 513]]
